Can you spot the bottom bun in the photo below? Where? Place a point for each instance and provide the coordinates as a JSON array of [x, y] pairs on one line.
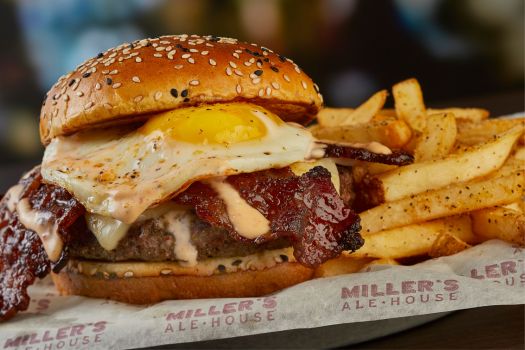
[[146, 290]]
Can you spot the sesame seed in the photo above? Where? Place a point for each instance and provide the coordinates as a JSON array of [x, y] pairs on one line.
[[171, 53], [258, 72], [174, 92], [100, 55], [160, 48], [113, 72], [194, 82], [186, 55], [276, 85], [247, 64], [259, 64], [261, 92], [256, 80], [138, 59], [194, 50], [209, 45], [65, 98], [79, 93], [116, 85], [238, 72], [184, 93], [268, 91], [105, 71], [233, 65], [89, 105], [72, 81], [186, 100], [228, 71], [238, 51], [135, 79], [297, 69], [238, 88], [236, 55], [86, 75], [287, 78], [212, 62], [108, 106], [275, 69], [98, 86], [191, 60], [251, 60], [157, 96], [204, 53], [304, 85], [158, 55], [128, 274], [169, 48], [178, 66], [166, 271], [138, 98], [113, 55], [109, 81], [165, 42]]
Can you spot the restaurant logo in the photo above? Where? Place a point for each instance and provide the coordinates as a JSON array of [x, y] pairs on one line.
[[222, 315], [401, 293], [509, 272], [69, 337]]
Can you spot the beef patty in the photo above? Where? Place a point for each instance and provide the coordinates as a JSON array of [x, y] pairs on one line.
[[149, 241]]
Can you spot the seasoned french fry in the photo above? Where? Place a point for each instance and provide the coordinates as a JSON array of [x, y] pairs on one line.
[[447, 244], [503, 223], [365, 112], [392, 133], [413, 240], [418, 177], [520, 154], [409, 104], [438, 138], [463, 114], [332, 117], [474, 133], [451, 200], [341, 265]]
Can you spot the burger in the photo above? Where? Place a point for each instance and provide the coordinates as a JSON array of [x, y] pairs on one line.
[[178, 167]]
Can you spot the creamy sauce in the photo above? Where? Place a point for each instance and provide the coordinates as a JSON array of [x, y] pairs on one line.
[[246, 220], [13, 196], [178, 224], [40, 223]]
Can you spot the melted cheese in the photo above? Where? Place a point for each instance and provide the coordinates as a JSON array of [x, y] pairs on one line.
[[108, 231], [41, 223], [246, 220], [303, 167], [177, 222], [13, 196]]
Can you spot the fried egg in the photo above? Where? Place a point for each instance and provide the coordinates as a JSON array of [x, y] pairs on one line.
[[120, 173]]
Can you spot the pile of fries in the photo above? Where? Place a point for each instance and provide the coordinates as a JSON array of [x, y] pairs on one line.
[[466, 185]]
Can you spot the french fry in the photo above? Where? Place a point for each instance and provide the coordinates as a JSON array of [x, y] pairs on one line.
[[474, 133], [392, 133], [447, 244], [341, 265], [365, 112], [438, 138], [451, 200], [409, 104], [413, 240], [503, 223], [418, 177], [463, 114], [332, 117], [520, 154], [381, 261]]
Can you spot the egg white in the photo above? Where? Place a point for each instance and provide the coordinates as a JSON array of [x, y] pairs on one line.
[[121, 173]]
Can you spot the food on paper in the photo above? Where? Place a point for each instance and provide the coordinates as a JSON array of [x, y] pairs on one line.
[[178, 168]]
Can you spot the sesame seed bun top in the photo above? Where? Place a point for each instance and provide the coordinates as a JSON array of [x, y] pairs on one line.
[[128, 82]]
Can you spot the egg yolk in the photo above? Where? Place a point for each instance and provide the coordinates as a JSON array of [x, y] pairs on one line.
[[225, 123]]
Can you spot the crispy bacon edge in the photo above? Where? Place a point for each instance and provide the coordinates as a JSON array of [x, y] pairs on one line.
[[305, 209], [22, 255]]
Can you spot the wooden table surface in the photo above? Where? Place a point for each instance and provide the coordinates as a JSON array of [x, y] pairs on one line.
[[494, 327]]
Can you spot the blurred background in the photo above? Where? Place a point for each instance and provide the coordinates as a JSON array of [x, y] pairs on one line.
[[463, 52]]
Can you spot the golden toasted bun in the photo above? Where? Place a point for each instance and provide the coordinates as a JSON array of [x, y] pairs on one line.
[[146, 290], [125, 83]]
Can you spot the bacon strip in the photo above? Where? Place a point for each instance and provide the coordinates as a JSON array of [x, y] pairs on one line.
[[305, 209], [395, 158], [22, 256]]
